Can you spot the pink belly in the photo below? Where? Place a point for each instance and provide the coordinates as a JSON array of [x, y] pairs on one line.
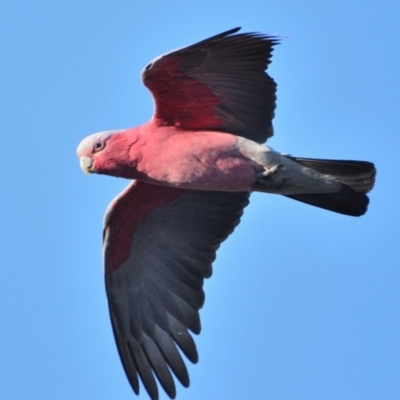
[[198, 161], [231, 175]]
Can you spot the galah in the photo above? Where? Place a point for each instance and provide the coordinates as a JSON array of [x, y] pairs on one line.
[[193, 167]]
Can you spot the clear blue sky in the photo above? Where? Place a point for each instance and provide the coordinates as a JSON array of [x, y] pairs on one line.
[[303, 304]]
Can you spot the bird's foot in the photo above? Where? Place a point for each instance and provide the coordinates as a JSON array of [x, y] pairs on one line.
[[271, 178], [267, 172]]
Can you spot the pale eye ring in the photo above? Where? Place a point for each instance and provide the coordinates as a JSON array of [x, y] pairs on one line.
[[98, 146]]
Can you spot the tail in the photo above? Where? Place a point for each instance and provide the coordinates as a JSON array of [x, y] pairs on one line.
[[356, 177]]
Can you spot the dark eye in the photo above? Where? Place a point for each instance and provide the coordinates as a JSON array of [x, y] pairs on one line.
[[98, 146]]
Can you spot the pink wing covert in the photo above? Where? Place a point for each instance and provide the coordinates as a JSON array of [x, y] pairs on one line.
[[159, 244], [217, 84]]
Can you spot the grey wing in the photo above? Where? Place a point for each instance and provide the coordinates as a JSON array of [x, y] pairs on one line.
[[155, 294], [217, 84]]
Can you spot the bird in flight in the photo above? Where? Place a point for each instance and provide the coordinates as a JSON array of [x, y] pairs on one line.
[[192, 168]]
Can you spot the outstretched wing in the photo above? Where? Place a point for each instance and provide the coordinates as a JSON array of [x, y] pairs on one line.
[[159, 244], [216, 84]]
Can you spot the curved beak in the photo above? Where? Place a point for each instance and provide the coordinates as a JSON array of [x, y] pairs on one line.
[[86, 164]]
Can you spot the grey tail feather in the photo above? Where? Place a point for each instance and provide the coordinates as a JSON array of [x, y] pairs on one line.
[[357, 178]]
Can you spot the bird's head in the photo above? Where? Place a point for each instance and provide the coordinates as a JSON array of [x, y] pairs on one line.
[[105, 152]]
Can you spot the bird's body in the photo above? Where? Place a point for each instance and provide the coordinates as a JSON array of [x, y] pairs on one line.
[[201, 160], [193, 166]]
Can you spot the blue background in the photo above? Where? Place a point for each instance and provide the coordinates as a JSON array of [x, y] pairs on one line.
[[303, 303]]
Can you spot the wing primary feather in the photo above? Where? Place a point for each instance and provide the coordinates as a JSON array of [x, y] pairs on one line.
[[191, 315], [126, 357], [172, 356], [147, 313], [169, 302], [183, 339], [144, 369], [159, 366]]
